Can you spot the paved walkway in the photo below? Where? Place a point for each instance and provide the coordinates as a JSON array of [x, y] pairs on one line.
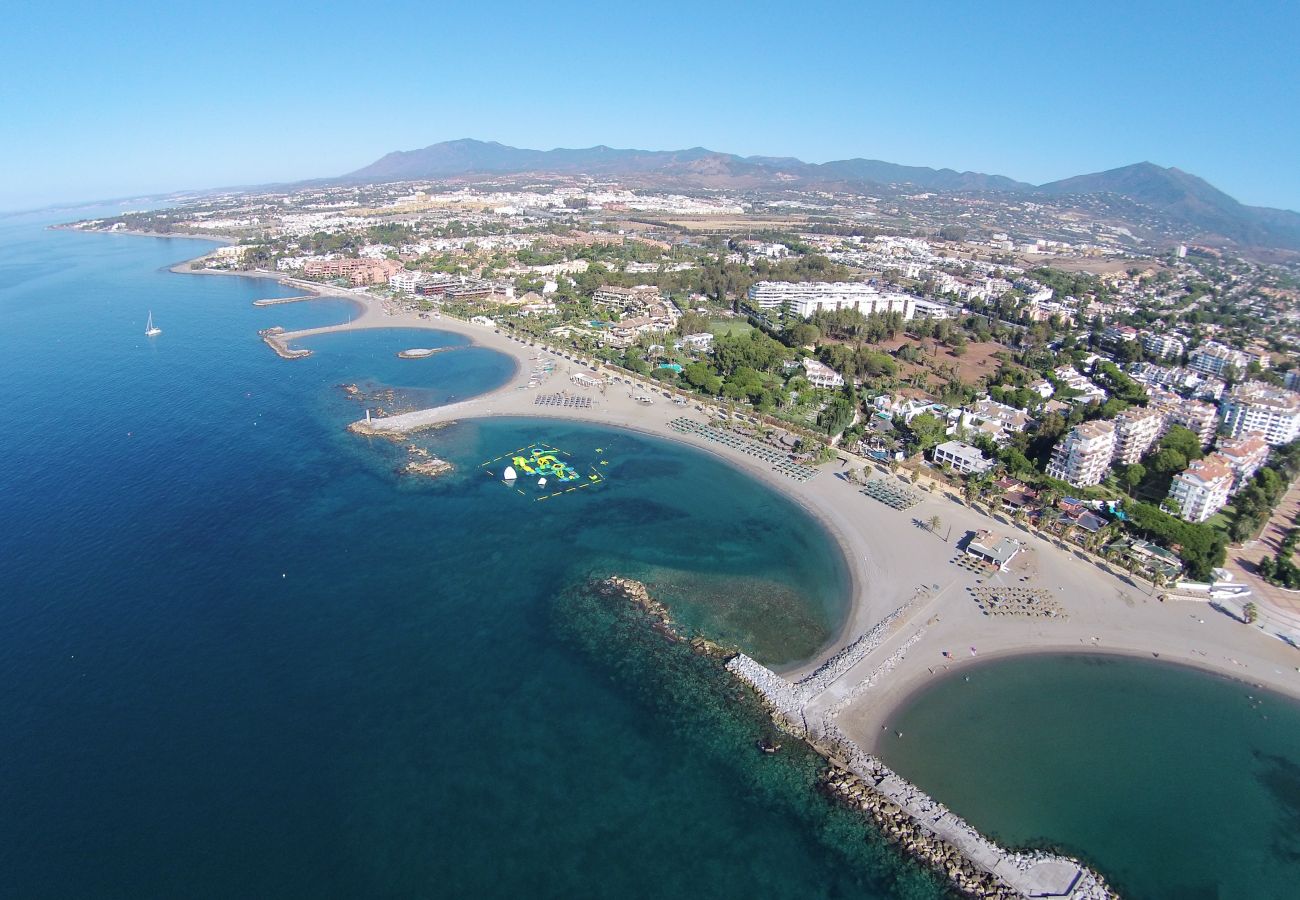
[[1243, 562]]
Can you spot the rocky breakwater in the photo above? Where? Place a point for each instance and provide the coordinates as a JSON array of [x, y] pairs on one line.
[[908, 817], [421, 462], [921, 826], [638, 595], [274, 338]]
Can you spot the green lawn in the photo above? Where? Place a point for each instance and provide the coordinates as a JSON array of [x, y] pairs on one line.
[[1221, 519], [722, 327]]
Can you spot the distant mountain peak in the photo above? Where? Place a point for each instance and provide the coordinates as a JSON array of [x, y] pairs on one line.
[[1178, 196]]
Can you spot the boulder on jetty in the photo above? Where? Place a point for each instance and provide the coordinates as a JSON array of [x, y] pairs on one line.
[[274, 338]]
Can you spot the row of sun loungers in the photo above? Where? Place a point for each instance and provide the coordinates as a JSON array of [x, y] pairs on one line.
[[571, 401], [892, 493], [779, 461]]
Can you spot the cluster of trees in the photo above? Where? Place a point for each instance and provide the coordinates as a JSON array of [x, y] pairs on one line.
[[851, 325], [1119, 385], [1255, 503], [1201, 546], [858, 362], [1152, 477], [839, 413], [1281, 570]]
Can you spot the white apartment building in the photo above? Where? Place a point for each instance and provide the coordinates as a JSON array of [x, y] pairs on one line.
[[1083, 456], [820, 375], [1136, 430], [807, 297], [963, 458], [1201, 419], [1256, 407], [406, 281], [1203, 489], [1165, 346], [1214, 358]]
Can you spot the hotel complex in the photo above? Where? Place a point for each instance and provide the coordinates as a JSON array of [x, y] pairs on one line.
[[805, 298]]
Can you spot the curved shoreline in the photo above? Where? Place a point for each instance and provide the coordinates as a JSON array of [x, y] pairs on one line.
[[887, 557], [909, 693]]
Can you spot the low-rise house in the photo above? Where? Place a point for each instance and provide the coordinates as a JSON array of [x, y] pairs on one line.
[[963, 458], [820, 375], [700, 341], [1147, 558], [996, 553]]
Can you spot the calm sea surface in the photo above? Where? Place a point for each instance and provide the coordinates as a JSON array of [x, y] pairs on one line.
[[241, 656], [1177, 784]]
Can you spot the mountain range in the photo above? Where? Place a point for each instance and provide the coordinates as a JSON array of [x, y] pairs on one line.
[[1179, 198]]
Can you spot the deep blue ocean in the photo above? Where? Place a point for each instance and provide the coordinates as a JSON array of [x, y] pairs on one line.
[[241, 656]]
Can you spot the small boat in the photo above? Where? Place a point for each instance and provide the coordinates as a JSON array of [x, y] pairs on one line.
[[510, 474], [150, 329], [541, 482]]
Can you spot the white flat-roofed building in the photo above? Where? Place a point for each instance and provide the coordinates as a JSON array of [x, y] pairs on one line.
[[406, 281], [963, 458], [700, 340], [1203, 489], [1083, 456], [1256, 407], [803, 298], [997, 553], [820, 375], [1136, 429]]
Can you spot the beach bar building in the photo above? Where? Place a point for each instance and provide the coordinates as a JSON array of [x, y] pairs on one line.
[[997, 553]]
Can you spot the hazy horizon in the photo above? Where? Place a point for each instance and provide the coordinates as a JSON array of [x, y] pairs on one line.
[[156, 98]]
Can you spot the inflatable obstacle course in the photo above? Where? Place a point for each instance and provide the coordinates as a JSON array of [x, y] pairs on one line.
[[541, 471]]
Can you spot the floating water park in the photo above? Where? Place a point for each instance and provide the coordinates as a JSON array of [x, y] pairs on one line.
[[541, 471]]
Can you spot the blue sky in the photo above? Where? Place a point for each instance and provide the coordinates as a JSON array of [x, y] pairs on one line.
[[103, 100]]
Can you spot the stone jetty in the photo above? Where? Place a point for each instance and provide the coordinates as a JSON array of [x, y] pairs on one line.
[[918, 824], [274, 338], [906, 815]]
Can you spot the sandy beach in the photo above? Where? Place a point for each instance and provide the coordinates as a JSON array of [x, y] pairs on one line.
[[892, 557]]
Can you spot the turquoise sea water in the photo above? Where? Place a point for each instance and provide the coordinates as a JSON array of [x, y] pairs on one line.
[[240, 656], [1176, 784]]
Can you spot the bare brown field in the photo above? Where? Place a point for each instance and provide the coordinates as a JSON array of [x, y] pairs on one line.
[[715, 223], [1096, 266]]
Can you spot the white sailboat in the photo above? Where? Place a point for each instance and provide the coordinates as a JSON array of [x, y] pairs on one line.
[[150, 329]]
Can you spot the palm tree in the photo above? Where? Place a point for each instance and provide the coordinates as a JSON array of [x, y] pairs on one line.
[[934, 523]]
